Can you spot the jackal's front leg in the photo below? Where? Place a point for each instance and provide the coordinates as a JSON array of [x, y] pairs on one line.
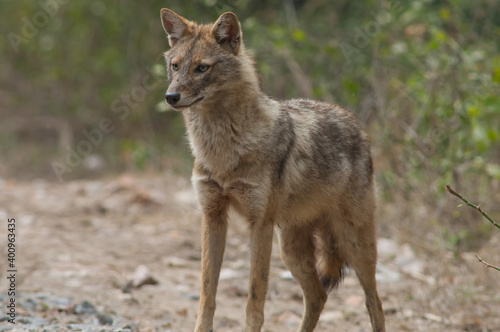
[[261, 247], [213, 241]]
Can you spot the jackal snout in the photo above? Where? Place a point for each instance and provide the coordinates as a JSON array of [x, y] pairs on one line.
[[172, 97], [186, 90]]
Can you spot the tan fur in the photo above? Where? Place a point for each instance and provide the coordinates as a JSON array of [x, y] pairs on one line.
[[300, 167]]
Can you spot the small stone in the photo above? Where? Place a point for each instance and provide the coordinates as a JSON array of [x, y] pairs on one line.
[[176, 262], [104, 319], [127, 289], [287, 275], [132, 327], [85, 308], [142, 277]]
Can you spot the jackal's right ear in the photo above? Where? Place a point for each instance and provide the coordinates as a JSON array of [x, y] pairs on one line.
[[174, 25], [227, 32]]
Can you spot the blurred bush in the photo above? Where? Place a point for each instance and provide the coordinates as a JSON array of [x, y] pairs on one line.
[[424, 77]]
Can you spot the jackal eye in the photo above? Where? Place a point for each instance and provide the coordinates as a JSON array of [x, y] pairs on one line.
[[202, 68], [175, 67]]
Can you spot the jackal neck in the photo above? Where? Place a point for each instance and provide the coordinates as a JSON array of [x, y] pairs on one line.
[[236, 126]]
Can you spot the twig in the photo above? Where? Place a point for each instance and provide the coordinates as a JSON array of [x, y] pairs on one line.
[[480, 260], [477, 207]]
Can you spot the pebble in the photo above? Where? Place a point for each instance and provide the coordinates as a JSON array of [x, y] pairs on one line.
[[287, 275], [85, 308], [35, 307], [104, 319], [142, 276]]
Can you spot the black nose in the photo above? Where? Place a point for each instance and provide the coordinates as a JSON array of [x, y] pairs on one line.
[[172, 97]]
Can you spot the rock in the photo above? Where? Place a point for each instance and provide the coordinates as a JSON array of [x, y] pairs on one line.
[[127, 289], [132, 327], [142, 277], [85, 308], [176, 262], [104, 319], [287, 275], [390, 310], [54, 313], [435, 318]]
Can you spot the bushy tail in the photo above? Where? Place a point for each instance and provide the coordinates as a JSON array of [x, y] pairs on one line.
[[331, 263], [331, 277]]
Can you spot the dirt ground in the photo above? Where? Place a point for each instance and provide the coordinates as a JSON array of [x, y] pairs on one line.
[[85, 240]]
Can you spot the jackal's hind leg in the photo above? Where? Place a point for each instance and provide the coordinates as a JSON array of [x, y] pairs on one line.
[[362, 257], [297, 252]]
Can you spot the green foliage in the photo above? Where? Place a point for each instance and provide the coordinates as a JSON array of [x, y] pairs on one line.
[[423, 75]]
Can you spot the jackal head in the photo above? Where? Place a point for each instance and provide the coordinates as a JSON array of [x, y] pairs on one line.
[[205, 63]]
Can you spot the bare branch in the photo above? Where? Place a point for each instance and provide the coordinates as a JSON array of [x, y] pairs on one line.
[[477, 207], [480, 260]]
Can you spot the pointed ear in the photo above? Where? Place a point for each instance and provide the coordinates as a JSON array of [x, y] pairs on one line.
[[174, 25], [227, 32]]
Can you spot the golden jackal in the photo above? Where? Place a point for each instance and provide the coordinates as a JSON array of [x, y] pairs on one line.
[[300, 165]]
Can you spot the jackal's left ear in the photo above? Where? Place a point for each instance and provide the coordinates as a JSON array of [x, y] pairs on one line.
[[227, 32], [174, 25]]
